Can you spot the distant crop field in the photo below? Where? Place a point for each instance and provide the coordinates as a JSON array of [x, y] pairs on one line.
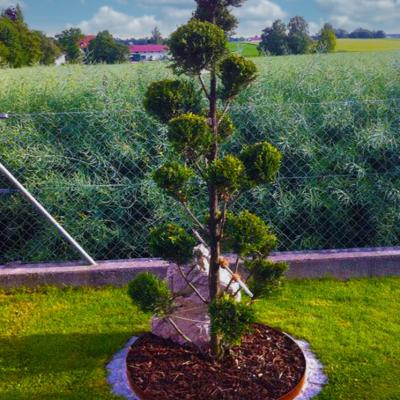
[[245, 49], [343, 45], [366, 45]]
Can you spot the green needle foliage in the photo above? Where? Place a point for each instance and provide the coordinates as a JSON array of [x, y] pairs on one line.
[[172, 243], [151, 294], [262, 162], [236, 72], [170, 98], [174, 178], [248, 235], [190, 135], [230, 321], [198, 49], [227, 174], [196, 46], [265, 276]]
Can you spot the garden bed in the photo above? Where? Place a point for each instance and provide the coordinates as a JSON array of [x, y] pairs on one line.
[[267, 365]]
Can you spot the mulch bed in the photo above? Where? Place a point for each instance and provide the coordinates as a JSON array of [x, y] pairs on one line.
[[266, 366]]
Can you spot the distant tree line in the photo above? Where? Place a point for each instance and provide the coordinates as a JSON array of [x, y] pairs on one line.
[[20, 46], [294, 38], [360, 33]]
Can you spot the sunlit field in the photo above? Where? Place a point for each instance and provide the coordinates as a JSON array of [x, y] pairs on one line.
[[343, 45], [367, 45]]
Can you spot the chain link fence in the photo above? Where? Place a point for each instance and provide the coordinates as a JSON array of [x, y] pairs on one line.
[[339, 186]]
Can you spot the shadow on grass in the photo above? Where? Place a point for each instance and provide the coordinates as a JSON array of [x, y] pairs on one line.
[[57, 366]]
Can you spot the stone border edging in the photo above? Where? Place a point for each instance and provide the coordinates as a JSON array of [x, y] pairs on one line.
[[118, 373], [340, 264]]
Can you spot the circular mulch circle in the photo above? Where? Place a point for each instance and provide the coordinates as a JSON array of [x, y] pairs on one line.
[[268, 365]]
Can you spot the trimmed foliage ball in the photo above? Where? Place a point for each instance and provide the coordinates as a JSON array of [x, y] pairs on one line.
[[174, 177], [230, 319], [227, 174], [265, 276], [150, 293], [172, 243], [236, 74], [169, 98], [190, 135], [197, 46], [262, 162], [247, 234]]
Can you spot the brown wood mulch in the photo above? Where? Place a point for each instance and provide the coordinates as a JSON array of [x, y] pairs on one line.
[[266, 366]]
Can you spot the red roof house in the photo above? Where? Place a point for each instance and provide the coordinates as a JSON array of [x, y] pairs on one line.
[[84, 43], [148, 52], [147, 48]]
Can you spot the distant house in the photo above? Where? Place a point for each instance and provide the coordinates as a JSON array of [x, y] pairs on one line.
[[61, 60], [254, 39], [148, 52], [84, 43]]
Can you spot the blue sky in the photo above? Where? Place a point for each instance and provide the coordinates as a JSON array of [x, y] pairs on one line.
[[127, 18]]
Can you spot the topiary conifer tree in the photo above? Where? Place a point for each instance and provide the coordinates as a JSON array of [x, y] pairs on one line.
[[199, 51]]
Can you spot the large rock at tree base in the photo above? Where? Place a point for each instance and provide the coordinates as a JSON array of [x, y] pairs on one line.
[[191, 313], [191, 318]]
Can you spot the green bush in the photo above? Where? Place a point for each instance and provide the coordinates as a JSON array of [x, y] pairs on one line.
[[174, 178], [169, 98], [190, 135], [150, 293], [247, 234], [265, 276], [236, 74], [231, 320], [171, 242], [196, 46], [227, 174], [262, 162]]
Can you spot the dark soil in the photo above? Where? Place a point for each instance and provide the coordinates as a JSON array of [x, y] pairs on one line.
[[266, 366]]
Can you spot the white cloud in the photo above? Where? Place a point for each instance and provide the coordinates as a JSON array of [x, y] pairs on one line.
[[257, 15], [8, 3], [119, 24], [373, 14]]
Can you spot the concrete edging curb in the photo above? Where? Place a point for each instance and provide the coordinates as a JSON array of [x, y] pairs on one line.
[[339, 264]]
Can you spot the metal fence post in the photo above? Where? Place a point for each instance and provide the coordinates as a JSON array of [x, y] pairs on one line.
[[45, 213]]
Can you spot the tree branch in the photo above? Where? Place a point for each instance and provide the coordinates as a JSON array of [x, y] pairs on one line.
[[237, 264], [203, 85], [191, 215], [191, 285], [200, 239], [175, 326], [225, 110]]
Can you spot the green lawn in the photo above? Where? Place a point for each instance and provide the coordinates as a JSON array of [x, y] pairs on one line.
[[244, 49], [343, 45], [55, 343], [366, 45]]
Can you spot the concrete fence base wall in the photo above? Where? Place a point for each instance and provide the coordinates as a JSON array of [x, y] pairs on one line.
[[339, 264]]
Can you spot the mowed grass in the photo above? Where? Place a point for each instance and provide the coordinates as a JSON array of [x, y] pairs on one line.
[[367, 45], [244, 49], [54, 344]]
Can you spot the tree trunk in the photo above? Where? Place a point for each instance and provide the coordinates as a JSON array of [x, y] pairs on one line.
[[214, 212]]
